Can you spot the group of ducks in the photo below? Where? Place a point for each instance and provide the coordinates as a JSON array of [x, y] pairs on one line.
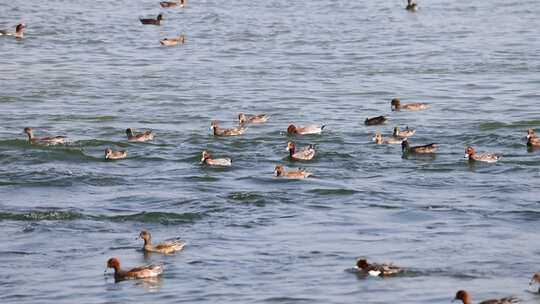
[[181, 39], [385, 270]]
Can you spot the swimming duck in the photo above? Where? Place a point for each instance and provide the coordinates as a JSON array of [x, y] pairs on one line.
[[165, 247], [147, 135], [535, 279], [254, 119], [113, 155], [411, 6], [19, 31], [532, 140], [167, 4], [307, 153], [379, 120], [395, 104], [156, 21], [142, 272], [466, 299], [298, 174], [377, 270], [405, 148], [49, 140], [307, 130], [403, 133], [222, 162], [378, 139], [226, 132], [470, 153], [173, 41]]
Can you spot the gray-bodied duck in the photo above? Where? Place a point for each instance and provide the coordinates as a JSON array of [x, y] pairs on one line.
[[379, 140], [403, 133], [114, 155], [173, 41], [307, 130], [169, 4], [297, 174], [377, 270], [19, 31], [252, 119], [470, 153], [466, 299], [406, 148], [219, 162], [396, 105], [307, 153], [164, 247], [46, 140], [146, 136], [226, 132], [143, 272]]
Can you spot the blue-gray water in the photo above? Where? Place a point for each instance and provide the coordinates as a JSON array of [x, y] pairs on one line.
[[89, 70]]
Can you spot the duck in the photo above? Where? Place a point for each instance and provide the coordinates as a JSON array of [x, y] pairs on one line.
[[19, 31], [173, 41], [466, 299], [377, 270], [307, 153], [253, 119], [298, 174], [307, 130], [165, 247], [143, 272], [113, 155], [146, 136], [403, 133], [378, 120], [535, 279], [167, 4], [396, 105], [532, 140], [226, 132], [378, 139], [220, 162], [470, 153], [156, 21], [48, 140], [411, 6], [430, 148]]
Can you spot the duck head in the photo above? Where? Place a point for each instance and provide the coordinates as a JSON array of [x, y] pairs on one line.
[[378, 138], [469, 151], [396, 131], [291, 147], [113, 263], [535, 278], [279, 170], [205, 156], [145, 235], [531, 133], [159, 17], [129, 132], [395, 104], [242, 118], [19, 30], [108, 152], [362, 263], [404, 145], [292, 129], [463, 296]]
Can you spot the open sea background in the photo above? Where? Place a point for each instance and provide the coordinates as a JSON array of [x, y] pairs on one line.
[[89, 70]]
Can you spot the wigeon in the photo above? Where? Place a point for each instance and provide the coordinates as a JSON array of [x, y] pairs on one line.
[[252, 119], [470, 153], [373, 121], [395, 104], [173, 41], [298, 174], [19, 31], [378, 139], [532, 140], [164, 247], [48, 140], [167, 4], [307, 130], [377, 270], [307, 153], [113, 155], [405, 148], [142, 272], [466, 299], [411, 6], [146, 136], [220, 162], [535, 279], [226, 132], [403, 133], [152, 21]]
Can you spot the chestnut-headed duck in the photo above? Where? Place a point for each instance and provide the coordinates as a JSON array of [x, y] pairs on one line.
[[405, 148], [113, 155], [252, 119], [395, 104], [142, 272], [307, 130], [298, 174], [378, 139], [164, 247], [466, 299], [173, 41], [48, 140], [152, 21], [535, 279], [470, 153], [532, 140], [221, 162], [403, 133], [411, 6], [226, 132], [147, 135], [167, 4], [373, 121], [307, 153], [377, 270], [19, 31]]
